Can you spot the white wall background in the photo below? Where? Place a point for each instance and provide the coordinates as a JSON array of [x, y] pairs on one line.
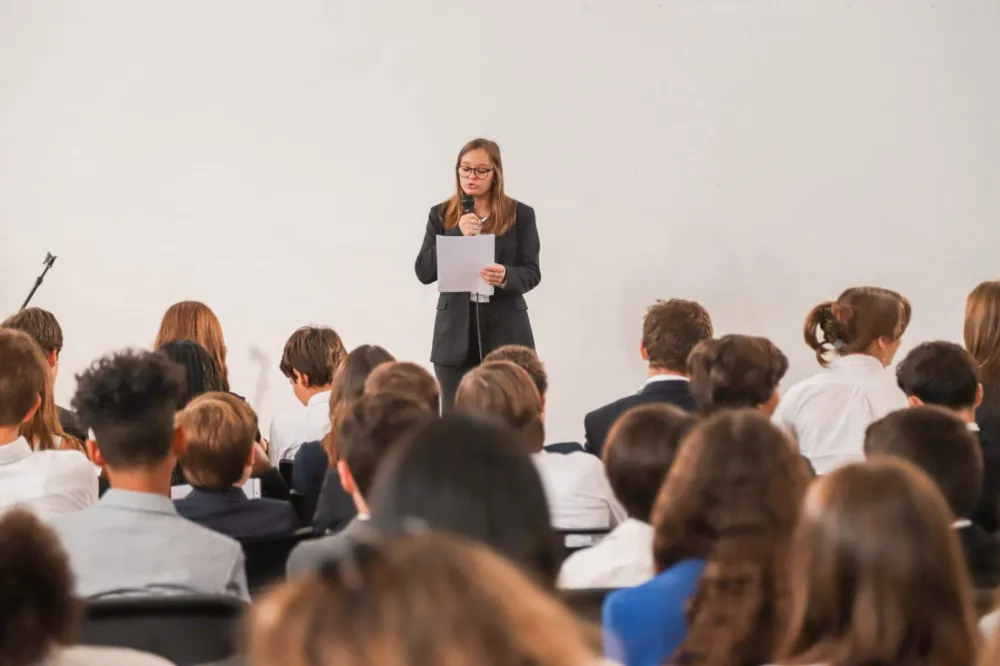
[[277, 159]]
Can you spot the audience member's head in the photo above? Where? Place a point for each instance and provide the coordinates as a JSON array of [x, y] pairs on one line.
[[732, 498], [736, 371], [201, 373], [420, 600], [348, 386], [38, 614], [43, 430], [863, 320], [670, 330], [469, 475], [191, 320], [311, 358], [527, 359], [44, 328], [129, 400], [372, 427], [877, 576], [219, 429], [939, 443], [941, 373], [505, 391], [982, 339], [640, 449], [22, 382], [407, 379]]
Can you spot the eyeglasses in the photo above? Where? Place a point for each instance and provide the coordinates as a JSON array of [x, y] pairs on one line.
[[480, 172]]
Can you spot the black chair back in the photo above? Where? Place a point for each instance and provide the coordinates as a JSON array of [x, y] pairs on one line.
[[185, 630], [587, 604], [266, 558]]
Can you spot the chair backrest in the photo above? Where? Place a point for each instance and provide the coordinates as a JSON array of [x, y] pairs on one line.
[[185, 630], [266, 558], [305, 506], [285, 469], [587, 604], [574, 540]]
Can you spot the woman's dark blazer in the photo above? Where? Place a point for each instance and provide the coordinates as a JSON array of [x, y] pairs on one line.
[[517, 250]]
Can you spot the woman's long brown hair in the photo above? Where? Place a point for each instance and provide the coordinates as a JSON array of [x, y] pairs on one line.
[[503, 209], [982, 339], [859, 317], [732, 498], [44, 428], [349, 385], [191, 320], [877, 573]]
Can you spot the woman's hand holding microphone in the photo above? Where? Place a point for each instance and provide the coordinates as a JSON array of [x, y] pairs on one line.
[[469, 224]]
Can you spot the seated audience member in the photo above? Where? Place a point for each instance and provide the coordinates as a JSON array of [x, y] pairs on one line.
[[982, 339], [827, 413], [133, 541], [943, 374], [374, 426], [310, 360], [219, 430], [670, 330], [421, 600], [38, 615], [407, 379], [941, 445], [192, 320], [723, 522], [640, 449], [467, 475], [49, 482], [44, 328], [736, 371], [316, 464], [876, 578], [576, 486]]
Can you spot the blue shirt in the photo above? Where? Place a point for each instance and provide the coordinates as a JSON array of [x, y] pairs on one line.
[[644, 625]]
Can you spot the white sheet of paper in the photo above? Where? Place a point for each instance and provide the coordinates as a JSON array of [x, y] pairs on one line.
[[460, 258]]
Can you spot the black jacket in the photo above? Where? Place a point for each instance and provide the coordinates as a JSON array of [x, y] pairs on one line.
[[517, 250], [987, 512], [230, 512], [597, 423]]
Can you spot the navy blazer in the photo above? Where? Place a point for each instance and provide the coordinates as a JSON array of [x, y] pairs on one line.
[[597, 423], [987, 512], [232, 513]]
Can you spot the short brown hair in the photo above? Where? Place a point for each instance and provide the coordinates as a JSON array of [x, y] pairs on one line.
[[735, 371], [373, 425], [220, 430], [671, 329], [639, 452], [37, 609], [22, 376], [504, 390], [407, 379], [939, 443], [527, 359], [41, 325], [859, 317], [314, 351]]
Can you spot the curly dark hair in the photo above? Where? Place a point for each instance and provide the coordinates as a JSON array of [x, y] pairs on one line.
[[37, 610], [732, 498], [129, 399]]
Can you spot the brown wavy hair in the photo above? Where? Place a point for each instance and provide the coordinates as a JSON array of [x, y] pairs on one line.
[[503, 209], [44, 428], [982, 339], [424, 600], [877, 573], [859, 317], [732, 498], [191, 320], [505, 390], [349, 385]]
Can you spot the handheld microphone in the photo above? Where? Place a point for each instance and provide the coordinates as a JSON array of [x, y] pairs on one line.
[[468, 204]]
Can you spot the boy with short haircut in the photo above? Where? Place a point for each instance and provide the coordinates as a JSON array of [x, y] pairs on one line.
[[944, 374], [49, 483], [736, 371], [405, 378], [310, 359], [640, 450], [220, 429], [374, 427], [134, 541]]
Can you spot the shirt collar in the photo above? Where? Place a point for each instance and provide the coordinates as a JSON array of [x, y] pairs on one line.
[[973, 426], [961, 523], [858, 362], [14, 452], [136, 501], [321, 397], [666, 377]]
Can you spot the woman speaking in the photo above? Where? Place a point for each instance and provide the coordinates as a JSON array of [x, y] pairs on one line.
[[469, 326]]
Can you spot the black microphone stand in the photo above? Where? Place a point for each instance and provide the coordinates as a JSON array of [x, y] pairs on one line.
[[49, 260]]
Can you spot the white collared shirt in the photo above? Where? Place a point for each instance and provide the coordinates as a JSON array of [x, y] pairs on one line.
[[578, 491], [293, 428], [624, 558], [829, 412], [665, 377], [49, 483]]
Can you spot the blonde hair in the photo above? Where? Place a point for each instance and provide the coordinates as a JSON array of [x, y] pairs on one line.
[[220, 430], [191, 320], [425, 600], [505, 390], [408, 379]]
